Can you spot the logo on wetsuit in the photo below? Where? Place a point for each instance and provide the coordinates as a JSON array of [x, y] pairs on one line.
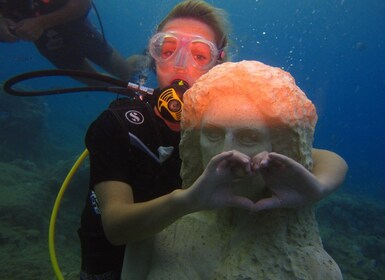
[[134, 117], [95, 203]]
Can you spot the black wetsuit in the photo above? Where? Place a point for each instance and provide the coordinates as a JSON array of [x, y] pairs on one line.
[[117, 142], [65, 45]]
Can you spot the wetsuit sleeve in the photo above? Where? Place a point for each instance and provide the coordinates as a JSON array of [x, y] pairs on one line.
[[109, 148]]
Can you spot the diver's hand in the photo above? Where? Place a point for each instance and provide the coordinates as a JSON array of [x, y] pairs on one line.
[[290, 183], [213, 189], [29, 29], [6, 31]]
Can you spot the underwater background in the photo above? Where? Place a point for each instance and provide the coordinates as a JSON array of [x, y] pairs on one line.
[[335, 49]]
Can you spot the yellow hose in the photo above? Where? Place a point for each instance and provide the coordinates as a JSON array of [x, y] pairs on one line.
[[55, 210]]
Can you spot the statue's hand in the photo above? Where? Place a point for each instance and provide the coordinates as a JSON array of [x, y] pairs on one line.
[[214, 188], [290, 183]]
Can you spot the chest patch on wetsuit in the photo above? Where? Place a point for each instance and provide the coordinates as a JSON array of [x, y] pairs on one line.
[[134, 116], [138, 121]]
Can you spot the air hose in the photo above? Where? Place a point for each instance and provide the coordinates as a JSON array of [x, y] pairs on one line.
[[55, 210], [118, 86]]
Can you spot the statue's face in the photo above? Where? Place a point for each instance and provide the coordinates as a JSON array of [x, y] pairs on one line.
[[233, 125]]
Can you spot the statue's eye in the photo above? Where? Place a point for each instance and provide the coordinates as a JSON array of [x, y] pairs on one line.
[[214, 134], [248, 137]]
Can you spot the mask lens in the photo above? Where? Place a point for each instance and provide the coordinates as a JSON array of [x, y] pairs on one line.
[[201, 53], [167, 47], [177, 49]]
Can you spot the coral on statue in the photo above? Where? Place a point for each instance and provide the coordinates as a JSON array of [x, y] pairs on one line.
[[250, 107]]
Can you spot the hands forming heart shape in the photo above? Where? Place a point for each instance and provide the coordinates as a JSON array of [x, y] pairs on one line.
[[290, 183]]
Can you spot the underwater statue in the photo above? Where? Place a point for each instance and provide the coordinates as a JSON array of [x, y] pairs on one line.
[[249, 107]]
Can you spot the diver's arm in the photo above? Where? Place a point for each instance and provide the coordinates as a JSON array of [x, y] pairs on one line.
[[125, 221], [30, 29], [291, 184], [330, 170]]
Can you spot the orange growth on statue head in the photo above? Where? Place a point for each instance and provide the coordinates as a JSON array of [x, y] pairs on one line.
[[259, 106]]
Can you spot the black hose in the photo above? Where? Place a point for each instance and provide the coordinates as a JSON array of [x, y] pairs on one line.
[[117, 86]]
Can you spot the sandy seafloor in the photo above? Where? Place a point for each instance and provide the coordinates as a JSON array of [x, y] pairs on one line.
[[335, 49]]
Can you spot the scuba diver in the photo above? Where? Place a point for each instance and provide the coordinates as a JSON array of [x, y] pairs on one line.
[[63, 34]]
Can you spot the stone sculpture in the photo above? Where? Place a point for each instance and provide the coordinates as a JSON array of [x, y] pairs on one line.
[[251, 107]]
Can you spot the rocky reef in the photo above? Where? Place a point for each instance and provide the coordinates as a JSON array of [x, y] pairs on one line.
[[31, 172], [352, 229], [23, 127]]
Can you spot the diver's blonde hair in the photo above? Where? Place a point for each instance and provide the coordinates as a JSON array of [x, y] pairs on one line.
[[200, 10]]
